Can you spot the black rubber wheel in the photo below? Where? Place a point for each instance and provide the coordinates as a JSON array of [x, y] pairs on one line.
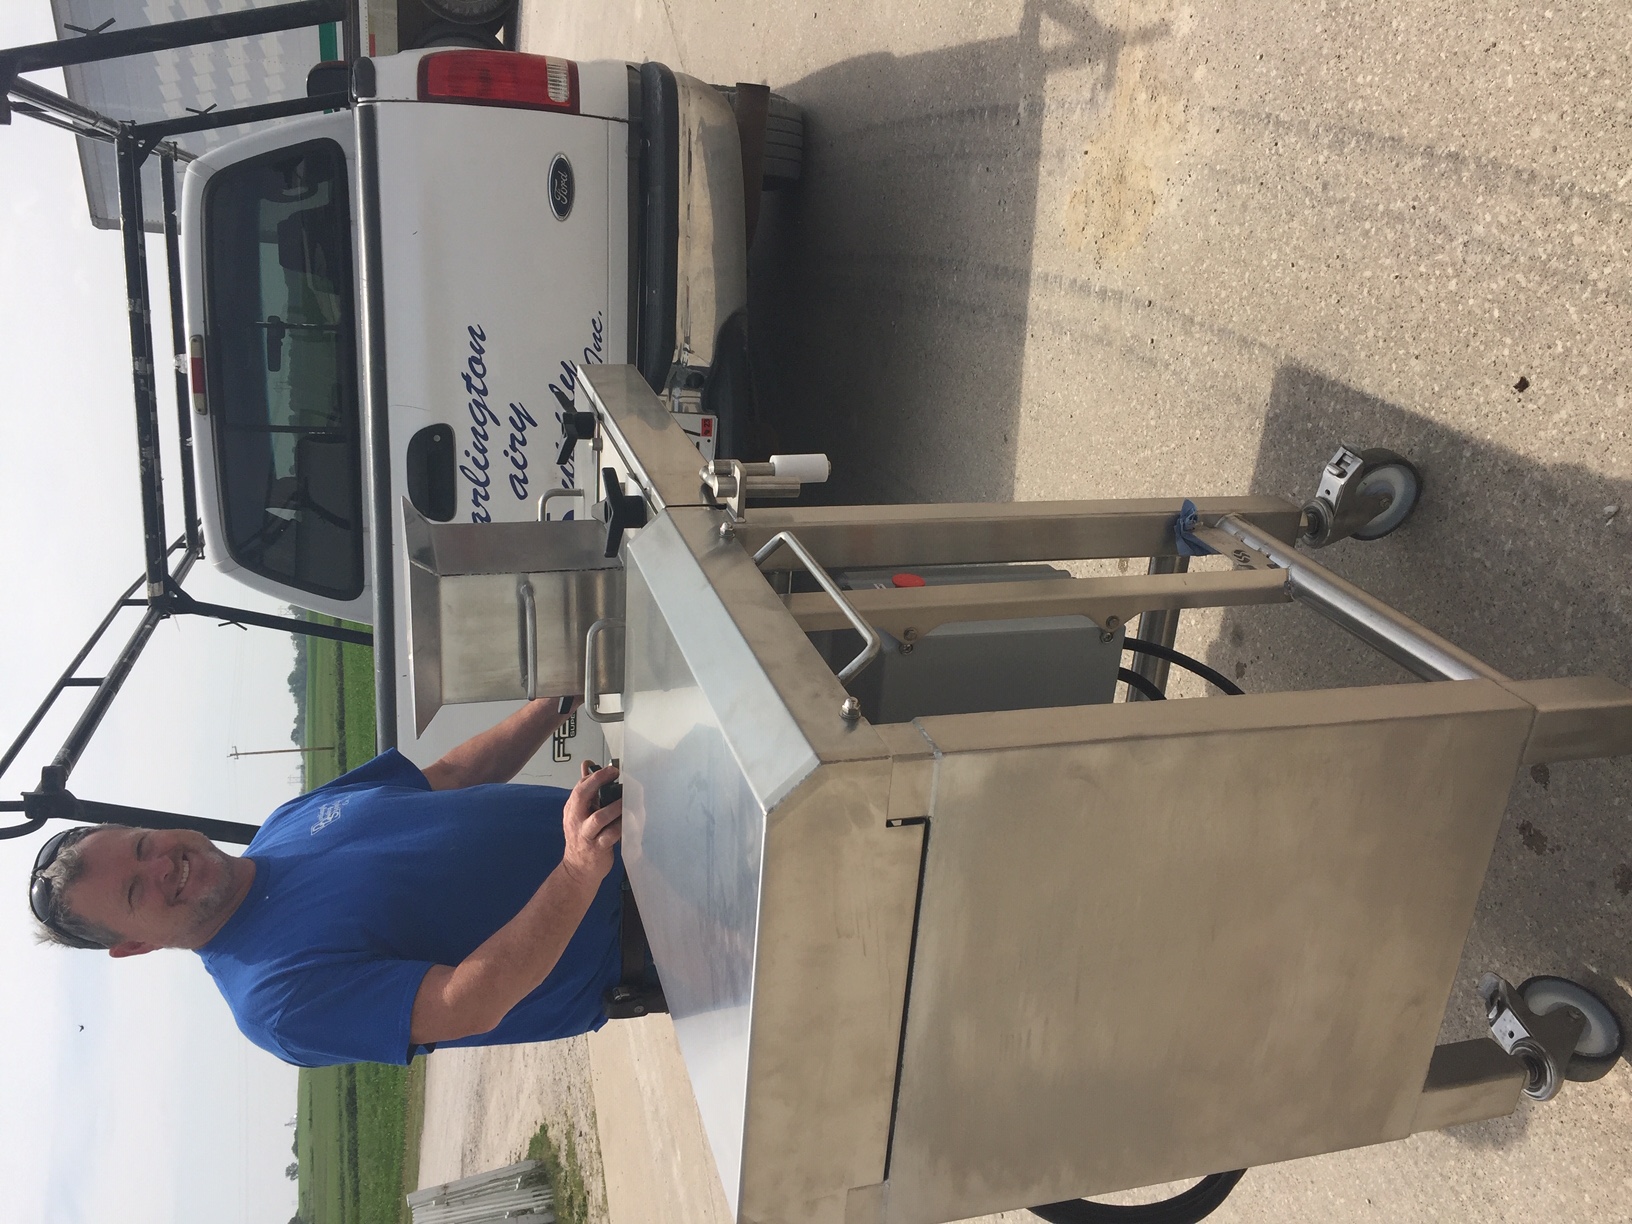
[[784, 140], [471, 12], [1196, 1203], [1385, 468], [1600, 1045], [728, 392], [451, 34]]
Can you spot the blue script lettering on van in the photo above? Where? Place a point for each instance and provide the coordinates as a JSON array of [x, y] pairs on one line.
[[475, 469], [520, 421], [564, 391]]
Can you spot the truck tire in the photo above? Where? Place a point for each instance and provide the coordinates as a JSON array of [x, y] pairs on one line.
[[472, 12], [784, 140], [448, 34]]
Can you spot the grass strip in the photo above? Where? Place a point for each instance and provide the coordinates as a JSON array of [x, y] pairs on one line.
[[566, 1174]]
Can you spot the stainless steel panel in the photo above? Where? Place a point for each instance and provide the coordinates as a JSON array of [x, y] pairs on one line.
[[835, 935], [773, 752], [643, 433], [1469, 1081], [468, 636], [847, 537], [503, 548], [778, 901], [483, 647], [1163, 939], [708, 747]]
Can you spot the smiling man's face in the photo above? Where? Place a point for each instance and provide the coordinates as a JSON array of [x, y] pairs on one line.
[[157, 888]]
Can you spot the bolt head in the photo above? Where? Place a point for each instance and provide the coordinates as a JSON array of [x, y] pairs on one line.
[[850, 711], [728, 531]]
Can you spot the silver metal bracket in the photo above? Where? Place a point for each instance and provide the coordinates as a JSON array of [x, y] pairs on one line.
[[1543, 1043], [731, 481], [1338, 508]]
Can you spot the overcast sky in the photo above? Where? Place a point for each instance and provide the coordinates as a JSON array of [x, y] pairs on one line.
[[157, 1111]]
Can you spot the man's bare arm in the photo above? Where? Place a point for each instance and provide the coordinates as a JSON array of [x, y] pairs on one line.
[[498, 754], [473, 996]]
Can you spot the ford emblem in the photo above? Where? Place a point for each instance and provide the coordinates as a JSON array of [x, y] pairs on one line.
[[561, 186]]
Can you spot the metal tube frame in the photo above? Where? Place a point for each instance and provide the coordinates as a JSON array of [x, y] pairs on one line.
[[178, 345], [133, 144], [953, 534], [1420, 651]]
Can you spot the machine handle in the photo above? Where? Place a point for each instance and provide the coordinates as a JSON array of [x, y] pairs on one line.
[[825, 580], [529, 637], [592, 698], [551, 494], [576, 427], [623, 510]]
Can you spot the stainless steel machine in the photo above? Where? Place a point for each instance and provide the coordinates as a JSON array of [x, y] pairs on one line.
[[960, 963]]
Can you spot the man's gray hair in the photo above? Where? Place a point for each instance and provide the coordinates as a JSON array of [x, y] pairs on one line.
[[66, 927]]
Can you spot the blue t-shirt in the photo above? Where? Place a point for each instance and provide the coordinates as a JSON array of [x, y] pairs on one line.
[[361, 886]]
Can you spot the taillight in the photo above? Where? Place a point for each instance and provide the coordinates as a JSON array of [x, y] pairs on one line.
[[500, 78], [197, 362]]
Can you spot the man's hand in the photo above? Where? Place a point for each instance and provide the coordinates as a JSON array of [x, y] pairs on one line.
[[591, 833]]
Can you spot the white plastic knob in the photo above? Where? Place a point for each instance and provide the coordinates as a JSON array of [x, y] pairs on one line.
[[807, 469]]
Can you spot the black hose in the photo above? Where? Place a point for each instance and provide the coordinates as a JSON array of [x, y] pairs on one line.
[[1196, 1203], [1216, 679], [1144, 684]]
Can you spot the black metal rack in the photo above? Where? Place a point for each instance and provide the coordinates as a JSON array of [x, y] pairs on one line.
[[166, 562]]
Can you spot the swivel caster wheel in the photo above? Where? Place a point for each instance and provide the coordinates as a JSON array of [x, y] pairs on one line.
[[1385, 471], [1601, 1042], [1364, 494]]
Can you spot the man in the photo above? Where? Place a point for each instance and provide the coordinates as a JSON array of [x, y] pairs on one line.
[[381, 915]]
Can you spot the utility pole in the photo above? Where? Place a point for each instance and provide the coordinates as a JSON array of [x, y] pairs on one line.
[[235, 754]]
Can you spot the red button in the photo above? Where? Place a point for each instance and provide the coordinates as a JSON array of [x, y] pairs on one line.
[[907, 580]]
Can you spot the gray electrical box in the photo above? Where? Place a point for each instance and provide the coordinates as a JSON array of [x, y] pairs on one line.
[[970, 667]]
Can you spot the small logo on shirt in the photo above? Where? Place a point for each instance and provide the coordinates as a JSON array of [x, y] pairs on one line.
[[328, 814]]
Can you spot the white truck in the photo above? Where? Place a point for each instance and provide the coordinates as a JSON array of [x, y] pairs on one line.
[[385, 304]]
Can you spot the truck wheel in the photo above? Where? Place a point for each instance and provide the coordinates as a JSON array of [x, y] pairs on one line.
[[729, 391], [471, 12], [448, 34], [784, 140]]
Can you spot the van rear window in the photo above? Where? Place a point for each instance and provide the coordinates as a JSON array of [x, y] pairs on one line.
[[282, 385]]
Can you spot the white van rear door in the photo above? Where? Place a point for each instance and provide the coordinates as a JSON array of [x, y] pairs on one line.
[[492, 290]]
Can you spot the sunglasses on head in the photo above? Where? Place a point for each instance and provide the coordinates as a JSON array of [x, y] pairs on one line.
[[41, 888]]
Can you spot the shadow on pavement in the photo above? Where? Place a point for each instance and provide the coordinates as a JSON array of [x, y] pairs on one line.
[[1522, 564], [888, 291]]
